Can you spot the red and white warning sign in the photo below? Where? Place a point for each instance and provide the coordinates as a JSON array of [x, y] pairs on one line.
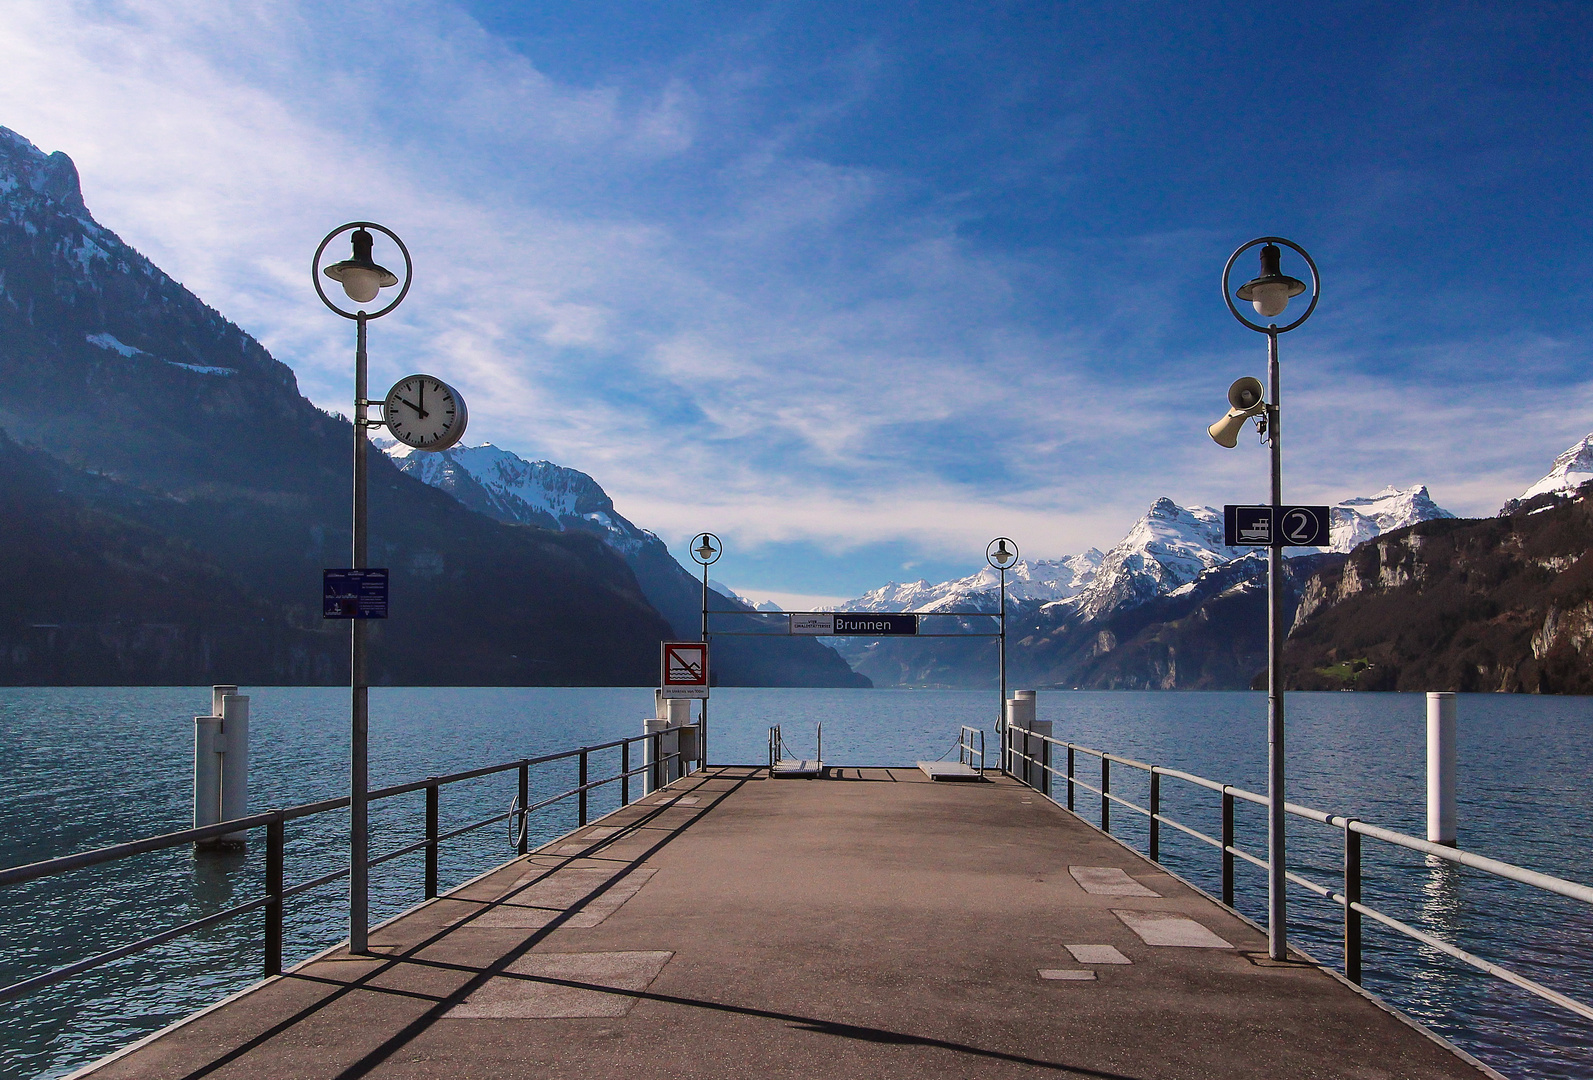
[[684, 669]]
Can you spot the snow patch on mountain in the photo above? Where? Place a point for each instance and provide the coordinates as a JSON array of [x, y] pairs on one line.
[[1355, 521], [527, 492], [1570, 471], [111, 342]]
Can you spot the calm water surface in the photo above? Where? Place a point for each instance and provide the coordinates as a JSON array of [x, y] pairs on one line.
[[84, 767]]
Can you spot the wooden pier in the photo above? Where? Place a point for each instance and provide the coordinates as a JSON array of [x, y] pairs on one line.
[[873, 924]]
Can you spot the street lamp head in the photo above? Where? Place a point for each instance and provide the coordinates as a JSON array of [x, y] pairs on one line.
[[707, 549], [1001, 553], [361, 277], [1271, 292]]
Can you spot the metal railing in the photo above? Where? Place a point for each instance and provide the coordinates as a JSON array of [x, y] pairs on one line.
[[274, 822], [779, 751], [1353, 830], [967, 751]]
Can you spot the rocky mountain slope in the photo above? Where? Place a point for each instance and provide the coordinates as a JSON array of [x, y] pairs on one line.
[[1505, 603], [1168, 607], [505, 486], [143, 412]]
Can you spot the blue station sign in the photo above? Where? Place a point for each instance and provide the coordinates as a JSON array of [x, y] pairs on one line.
[[354, 594]]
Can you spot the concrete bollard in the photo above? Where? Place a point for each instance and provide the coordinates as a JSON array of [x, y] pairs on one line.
[[221, 765], [234, 744], [1442, 758], [668, 744], [1022, 723], [207, 771]]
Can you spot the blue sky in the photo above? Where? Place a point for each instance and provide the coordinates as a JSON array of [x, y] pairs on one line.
[[860, 286]]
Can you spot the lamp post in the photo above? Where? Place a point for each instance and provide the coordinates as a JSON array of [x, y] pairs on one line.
[[1270, 293], [362, 280], [1002, 553], [705, 551]]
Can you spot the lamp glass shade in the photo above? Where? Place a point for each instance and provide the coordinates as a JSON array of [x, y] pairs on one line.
[[362, 284], [361, 277], [1270, 297]]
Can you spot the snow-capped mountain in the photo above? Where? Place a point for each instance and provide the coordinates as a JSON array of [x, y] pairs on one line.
[[1570, 471], [1168, 547], [510, 488], [1037, 580], [1165, 551], [726, 590]]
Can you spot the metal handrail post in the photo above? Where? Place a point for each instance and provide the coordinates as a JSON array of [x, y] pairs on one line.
[[1070, 776], [431, 840], [625, 773], [1227, 847], [581, 799], [1106, 789], [525, 800], [1045, 768], [273, 908], [1155, 816], [1352, 896]]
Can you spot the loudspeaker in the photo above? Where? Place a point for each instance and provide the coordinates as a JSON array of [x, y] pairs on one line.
[[1245, 399]]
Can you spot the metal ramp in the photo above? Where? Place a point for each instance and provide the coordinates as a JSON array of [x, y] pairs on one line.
[[970, 763], [782, 766]]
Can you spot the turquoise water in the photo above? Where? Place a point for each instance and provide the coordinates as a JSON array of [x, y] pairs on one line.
[[83, 767]]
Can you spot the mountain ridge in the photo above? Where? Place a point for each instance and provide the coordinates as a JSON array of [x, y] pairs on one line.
[[147, 396]]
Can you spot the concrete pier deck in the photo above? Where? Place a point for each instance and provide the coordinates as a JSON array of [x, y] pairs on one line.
[[875, 924]]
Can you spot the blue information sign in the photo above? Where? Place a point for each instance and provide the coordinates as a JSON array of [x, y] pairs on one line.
[[354, 594]]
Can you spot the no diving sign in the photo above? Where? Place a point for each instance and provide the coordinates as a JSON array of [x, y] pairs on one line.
[[683, 669]]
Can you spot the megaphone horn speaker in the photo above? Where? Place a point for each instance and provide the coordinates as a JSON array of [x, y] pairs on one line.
[[1246, 400], [1246, 394]]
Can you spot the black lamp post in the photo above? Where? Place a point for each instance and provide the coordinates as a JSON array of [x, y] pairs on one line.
[[362, 279], [1270, 293]]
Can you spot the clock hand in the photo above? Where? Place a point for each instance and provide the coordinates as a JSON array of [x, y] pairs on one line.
[[417, 409]]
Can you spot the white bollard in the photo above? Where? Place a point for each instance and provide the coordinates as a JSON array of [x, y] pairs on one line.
[[1442, 757], [1021, 720], [234, 744], [207, 771]]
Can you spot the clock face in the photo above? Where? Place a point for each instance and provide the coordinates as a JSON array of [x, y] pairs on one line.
[[424, 412]]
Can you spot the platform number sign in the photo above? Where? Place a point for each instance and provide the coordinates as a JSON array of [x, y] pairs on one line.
[[683, 669], [1276, 526]]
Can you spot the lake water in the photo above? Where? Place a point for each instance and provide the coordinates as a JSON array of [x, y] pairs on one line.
[[85, 767]]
